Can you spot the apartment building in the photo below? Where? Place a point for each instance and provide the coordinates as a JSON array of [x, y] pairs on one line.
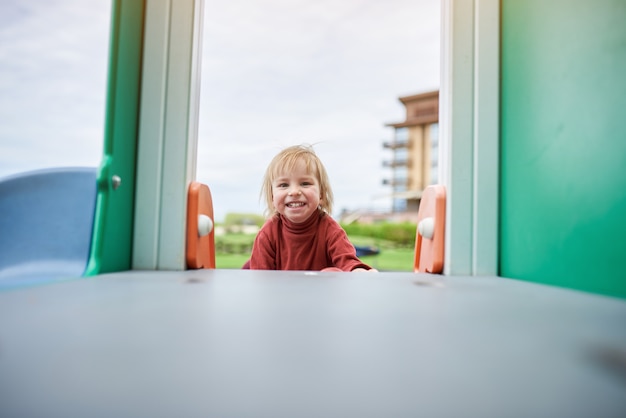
[[414, 151]]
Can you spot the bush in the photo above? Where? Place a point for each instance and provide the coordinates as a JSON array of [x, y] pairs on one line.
[[401, 234], [234, 243], [398, 235], [232, 219]]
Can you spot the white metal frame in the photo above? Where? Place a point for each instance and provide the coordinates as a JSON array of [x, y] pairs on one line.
[[469, 129], [168, 126], [469, 134]]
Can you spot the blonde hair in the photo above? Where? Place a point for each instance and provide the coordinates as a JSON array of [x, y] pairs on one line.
[[286, 160]]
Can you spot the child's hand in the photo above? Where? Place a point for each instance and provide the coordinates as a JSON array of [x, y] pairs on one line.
[[362, 269]]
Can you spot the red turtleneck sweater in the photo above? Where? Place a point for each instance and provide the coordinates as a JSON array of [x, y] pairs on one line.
[[315, 244]]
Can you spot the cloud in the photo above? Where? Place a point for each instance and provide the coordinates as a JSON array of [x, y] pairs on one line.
[[329, 73], [52, 83], [274, 73]]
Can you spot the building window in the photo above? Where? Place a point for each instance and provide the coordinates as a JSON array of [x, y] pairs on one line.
[[400, 154], [401, 174], [434, 153], [402, 136], [399, 203]]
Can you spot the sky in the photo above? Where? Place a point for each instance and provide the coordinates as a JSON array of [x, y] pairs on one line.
[[274, 73]]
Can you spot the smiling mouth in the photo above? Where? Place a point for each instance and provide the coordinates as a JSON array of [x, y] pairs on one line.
[[295, 204]]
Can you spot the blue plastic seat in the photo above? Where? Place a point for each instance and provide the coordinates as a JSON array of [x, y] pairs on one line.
[[46, 221]]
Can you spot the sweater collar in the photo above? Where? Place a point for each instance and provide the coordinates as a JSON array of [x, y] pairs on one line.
[[302, 226]]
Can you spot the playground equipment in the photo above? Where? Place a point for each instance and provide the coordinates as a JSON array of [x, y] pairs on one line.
[[140, 334], [46, 224], [200, 231], [431, 227]]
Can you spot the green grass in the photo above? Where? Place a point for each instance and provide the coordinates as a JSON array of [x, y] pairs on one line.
[[230, 261], [390, 258], [236, 238]]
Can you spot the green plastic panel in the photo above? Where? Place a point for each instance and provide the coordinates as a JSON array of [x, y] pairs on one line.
[[111, 247], [563, 131]]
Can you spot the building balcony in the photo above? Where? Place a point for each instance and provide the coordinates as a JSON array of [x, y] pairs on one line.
[[395, 182], [396, 144], [397, 163]]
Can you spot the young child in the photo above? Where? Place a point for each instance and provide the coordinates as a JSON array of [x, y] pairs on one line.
[[299, 233]]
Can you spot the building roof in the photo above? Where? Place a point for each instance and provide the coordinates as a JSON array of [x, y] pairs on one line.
[[421, 109]]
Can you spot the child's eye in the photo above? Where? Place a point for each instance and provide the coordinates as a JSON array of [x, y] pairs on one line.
[[306, 183], [282, 185]]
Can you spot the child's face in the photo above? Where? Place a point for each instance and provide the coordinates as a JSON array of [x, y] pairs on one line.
[[296, 194]]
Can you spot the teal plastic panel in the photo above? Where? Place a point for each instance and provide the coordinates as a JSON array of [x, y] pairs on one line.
[[113, 224], [563, 161]]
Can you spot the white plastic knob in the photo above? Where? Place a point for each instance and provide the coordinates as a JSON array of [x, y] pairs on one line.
[[205, 225], [426, 228]]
